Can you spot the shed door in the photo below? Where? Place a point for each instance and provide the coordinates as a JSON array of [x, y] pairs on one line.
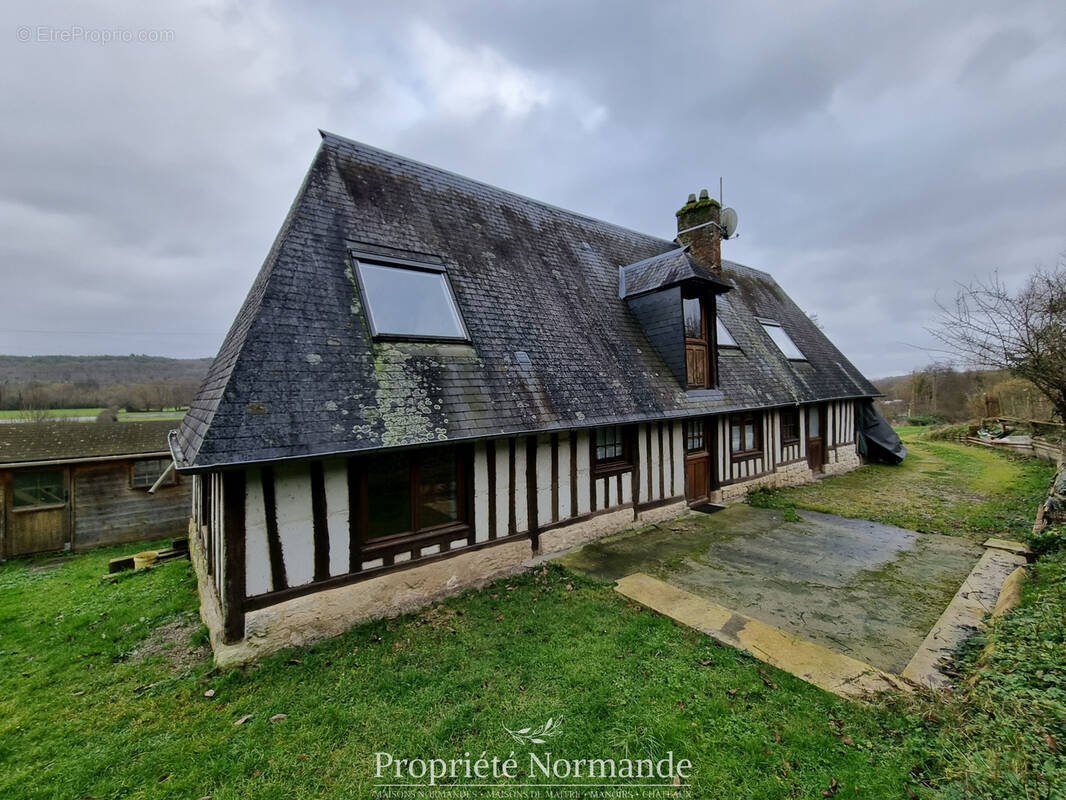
[[815, 437], [38, 511]]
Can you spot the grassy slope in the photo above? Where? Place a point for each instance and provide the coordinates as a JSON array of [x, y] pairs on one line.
[[941, 487], [80, 716]]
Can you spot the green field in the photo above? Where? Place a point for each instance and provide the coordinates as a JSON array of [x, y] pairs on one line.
[[104, 687], [74, 413]]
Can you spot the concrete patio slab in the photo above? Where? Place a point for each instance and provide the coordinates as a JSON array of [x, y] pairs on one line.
[[867, 591], [803, 658]]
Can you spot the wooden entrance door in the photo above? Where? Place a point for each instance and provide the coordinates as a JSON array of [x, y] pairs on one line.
[[816, 437], [699, 460], [38, 511]]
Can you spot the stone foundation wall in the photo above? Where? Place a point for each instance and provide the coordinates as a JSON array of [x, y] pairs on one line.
[[604, 524], [329, 612], [842, 459], [786, 475], [318, 615]]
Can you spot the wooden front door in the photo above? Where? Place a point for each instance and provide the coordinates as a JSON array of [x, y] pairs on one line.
[[816, 437], [699, 460], [38, 511]]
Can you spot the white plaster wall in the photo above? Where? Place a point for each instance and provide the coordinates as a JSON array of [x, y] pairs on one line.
[[583, 494], [678, 470], [292, 489], [503, 488], [256, 551], [642, 463], [521, 504], [544, 480], [335, 475], [564, 478], [656, 464], [481, 493]]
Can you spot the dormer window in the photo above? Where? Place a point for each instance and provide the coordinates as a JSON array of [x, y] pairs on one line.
[[698, 361], [782, 340], [409, 300]]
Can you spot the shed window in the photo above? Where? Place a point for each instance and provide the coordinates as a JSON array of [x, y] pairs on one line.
[[783, 341], [790, 431], [44, 488], [145, 473], [413, 302], [613, 452], [745, 435], [415, 492]]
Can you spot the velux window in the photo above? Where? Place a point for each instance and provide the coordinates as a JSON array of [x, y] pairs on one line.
[[725, 338], [783, 341], [409, 300]]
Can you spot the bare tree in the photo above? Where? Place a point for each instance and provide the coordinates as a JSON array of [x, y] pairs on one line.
[[1023, 332]]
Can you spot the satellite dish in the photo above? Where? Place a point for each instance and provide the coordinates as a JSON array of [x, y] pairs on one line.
[[729, 222]]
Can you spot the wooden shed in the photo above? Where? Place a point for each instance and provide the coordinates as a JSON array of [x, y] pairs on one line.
[[75, 485]]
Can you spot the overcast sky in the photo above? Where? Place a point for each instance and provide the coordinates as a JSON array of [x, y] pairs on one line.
[[876, 152]]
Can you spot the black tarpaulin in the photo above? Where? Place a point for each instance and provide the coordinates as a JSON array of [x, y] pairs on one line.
[[878, 441]]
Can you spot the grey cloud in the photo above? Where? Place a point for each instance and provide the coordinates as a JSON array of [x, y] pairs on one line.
[[877, 153]]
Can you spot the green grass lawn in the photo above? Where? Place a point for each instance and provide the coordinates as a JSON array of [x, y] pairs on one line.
[[941, 487], [69, 413], [104, 682], [84, 714]]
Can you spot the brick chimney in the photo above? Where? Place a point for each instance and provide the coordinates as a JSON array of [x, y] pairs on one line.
[[698, 227]]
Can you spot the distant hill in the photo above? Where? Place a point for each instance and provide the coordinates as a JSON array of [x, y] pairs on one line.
[[136, 383], [102, 370]]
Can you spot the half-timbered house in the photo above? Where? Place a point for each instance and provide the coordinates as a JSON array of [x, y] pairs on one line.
[[432, 380]]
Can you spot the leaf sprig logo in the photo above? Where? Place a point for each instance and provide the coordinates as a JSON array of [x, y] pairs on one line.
[[553, 727]]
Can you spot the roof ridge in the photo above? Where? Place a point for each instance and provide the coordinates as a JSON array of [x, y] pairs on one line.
[[326, 135]]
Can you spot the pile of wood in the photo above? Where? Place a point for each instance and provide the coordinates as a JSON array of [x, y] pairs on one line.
[[179, 548]]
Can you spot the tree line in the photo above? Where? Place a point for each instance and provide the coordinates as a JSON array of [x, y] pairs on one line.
[[134, 383]]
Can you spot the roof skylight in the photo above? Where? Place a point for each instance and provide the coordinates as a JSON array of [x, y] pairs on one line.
[[409, 302], [783, 341], [725, 338]]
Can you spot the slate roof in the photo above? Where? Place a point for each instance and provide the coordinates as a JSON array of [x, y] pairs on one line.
[[26, 442], [661, 271], [298, 374]]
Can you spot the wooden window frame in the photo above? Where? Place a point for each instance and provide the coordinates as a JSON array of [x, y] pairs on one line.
[[795, 415], [708, 341], [372, 548], [602, 468], [17, 508], [172, 481], [742, 418], [688, 425], [705, 341]]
